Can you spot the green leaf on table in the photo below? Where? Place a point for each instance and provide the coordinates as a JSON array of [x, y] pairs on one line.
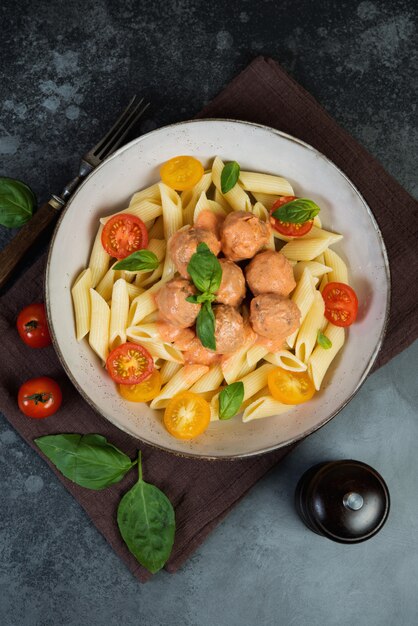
[[147, 523], [205, 270], [139, 261], [88, 460], [297, 211], [230, 400], [323, 341], [205, 326], [17, 202], [229, 176]]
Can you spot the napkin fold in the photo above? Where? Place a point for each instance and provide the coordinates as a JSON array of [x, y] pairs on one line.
[[203, 492]]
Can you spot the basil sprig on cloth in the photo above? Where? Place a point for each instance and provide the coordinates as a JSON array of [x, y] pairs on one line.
[[139, 261], [230, 400], [229, 176], [147, 523], [297, 211], [323, 341], [88, 460], [206, 274], [17, 202]]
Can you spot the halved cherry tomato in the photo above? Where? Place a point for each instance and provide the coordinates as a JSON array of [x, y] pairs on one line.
[[39, 397], [285, 228], [129, 364], [341, 304], [187, 415], [145, 391], [290, 387], [181, 172], [124, 234], [32, 326]]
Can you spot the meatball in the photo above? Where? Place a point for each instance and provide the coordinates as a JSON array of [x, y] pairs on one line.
[[270, 272], [229, 329], [209, 220], [172, 303], [243, 235], [273, 316], [182, 245], [232, 287]]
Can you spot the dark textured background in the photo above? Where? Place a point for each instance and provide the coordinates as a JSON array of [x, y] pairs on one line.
[[67, 70]]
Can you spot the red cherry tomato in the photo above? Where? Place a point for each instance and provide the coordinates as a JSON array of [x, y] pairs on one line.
[[39, 397], [341, 304], [32, 326], [129, 364], [285, 228], [123, 234]]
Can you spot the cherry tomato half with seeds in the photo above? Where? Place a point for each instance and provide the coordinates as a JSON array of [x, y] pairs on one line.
[[285, 228], [341, 304], [181, 172], [32, 326], [39, 397], [290, 387], [143, 392], [123, 234], [130, 364], [187, 415]]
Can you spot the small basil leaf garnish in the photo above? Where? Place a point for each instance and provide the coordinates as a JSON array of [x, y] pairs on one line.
[[205, 269], [88, 460], [139, 261], [17, 202], [229, 176], [205, 326], [323, 341], [230, 400], [192, 299], [297, 211], [147, 523]]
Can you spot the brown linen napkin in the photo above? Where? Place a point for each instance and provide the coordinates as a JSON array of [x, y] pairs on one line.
[[204, 491]]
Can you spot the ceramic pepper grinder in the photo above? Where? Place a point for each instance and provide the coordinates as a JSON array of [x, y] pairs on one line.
[[346, 501]]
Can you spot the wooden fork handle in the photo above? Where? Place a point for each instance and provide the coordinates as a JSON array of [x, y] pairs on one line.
[[14, 252]]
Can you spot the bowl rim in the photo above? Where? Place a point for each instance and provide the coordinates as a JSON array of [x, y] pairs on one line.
[[254, 453]]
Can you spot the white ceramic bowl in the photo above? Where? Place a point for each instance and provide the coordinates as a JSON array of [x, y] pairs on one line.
[[258, 148]]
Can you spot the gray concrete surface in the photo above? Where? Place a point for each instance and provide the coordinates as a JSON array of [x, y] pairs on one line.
[[68, 67]]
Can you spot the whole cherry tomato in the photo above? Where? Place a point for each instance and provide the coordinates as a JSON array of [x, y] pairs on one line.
[[32, 326], [39, 397]]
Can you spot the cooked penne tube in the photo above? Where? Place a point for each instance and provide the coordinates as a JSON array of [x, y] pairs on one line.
[[219, 199], [99, 259], [287, 360], [265, 183], [157, 230], [256, 380], [266, 199], [255, 354], [308, 332], [105, 286], [321, 358], [156, 347], [158, 247], [209, 381], [304, 249], [99, 325], [237, 198], [150, 330], [204, 204], [261, 212], [143, 305], [190, 197], [82, 303], [264, 407], [118, 314], [168, 370], [151, 193], [146, 210], [339, 271], [173, 221], [303, 297], [134, 291], [182, 381], [315, 268]]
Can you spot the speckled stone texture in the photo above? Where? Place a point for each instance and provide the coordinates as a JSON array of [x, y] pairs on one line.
[[68, 68]]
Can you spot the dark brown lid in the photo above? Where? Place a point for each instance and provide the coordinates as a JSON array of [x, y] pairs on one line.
[[346, 501]]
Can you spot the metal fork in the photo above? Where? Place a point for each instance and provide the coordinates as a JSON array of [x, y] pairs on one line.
[[48, 212]]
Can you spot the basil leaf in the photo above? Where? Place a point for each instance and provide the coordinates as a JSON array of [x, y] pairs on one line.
[[192, 299], [147, 524], [202, 297], [230, 400], [139, 261], [205, 269], [297, 211], [88, 460], [229, 176], [17, 202], [323, 341], [205, 326]]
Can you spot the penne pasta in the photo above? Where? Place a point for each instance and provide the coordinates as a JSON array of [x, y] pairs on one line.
[[173, 221], [210, 381], [267, 200], [146, 210], [255, 354], [303, 297], [156, 347], [181, 381], [143, 305], [315, 268], [99, 325], [157, 229], [82, 303], [134, 291], [308, 332], [264, 407], [168, 370], [287, 360], [99, 259], [236, 197], [151, 193], [304, 249], [118, 314], [339, 271], [190, 197], [321, 358], [266, 183]]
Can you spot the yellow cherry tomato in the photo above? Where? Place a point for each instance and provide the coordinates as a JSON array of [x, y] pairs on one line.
[[181, 172], [187, 415], [290, 387], [143, 392]]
